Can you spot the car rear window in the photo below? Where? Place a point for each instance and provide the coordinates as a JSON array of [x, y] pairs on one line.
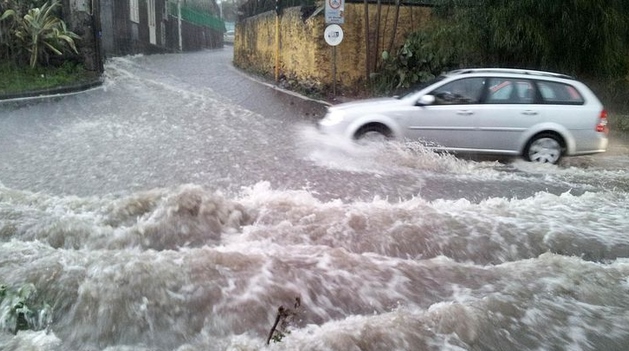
[[559, 93]]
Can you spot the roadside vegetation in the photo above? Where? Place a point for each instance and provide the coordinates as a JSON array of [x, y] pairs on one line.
[[37, 51], [19, 309], [17, 79], [285, 320], [585, 38]]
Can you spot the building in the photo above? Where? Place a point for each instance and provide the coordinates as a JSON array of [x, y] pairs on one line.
[[153, 26]]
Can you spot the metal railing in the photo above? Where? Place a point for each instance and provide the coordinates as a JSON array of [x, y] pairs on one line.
[[196, 17]]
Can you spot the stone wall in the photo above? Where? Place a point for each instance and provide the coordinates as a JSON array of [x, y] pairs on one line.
[[304, 54]]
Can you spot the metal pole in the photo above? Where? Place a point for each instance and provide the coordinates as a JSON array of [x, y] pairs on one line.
[[334, 71], [277, 48], [179, 24]]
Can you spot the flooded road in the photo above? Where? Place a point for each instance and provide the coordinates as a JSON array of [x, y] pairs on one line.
[[178, 206]]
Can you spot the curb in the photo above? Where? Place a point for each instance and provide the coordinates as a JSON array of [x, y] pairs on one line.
[[49, 93], [274, 86], [56, 92]]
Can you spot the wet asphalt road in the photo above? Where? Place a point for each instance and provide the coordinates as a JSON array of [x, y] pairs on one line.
[[167, 120]]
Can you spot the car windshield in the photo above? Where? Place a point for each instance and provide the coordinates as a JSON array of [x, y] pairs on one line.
[[419, 86]]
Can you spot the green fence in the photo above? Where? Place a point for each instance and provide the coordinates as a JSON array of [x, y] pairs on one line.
[[198, 18]]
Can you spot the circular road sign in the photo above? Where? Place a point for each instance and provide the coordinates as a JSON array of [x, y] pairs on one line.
[[333, 34], [335, 4]]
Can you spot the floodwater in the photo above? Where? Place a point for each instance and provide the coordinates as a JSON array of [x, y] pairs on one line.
[[185, 225]]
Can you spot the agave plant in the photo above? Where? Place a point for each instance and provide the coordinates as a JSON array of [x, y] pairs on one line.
[[42, 32], [6, 14]]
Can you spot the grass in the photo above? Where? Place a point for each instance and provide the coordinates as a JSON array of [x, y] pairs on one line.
[[18, 79]]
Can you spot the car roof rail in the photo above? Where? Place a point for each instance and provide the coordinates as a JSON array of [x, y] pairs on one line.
[[510, 70]]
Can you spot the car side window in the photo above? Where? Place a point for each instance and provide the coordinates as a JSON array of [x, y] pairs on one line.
[[459, 92], [559, 93], [510, 91]]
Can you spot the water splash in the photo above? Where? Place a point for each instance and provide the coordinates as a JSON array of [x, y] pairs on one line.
[[340, 153]]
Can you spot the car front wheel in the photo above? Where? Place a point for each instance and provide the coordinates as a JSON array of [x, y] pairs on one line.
[[544, 148], [374, 132]]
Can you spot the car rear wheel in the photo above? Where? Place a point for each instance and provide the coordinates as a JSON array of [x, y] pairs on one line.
[[544, 148], [373, 133]]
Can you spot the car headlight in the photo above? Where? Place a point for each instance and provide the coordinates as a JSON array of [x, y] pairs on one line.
[[332, 118]]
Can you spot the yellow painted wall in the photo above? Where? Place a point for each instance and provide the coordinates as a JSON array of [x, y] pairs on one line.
[[304, 54]]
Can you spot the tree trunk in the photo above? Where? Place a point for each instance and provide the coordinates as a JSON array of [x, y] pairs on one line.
[[395, 24], [377, 47], [367, 44]]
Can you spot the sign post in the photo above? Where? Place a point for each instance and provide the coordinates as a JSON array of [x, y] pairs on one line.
[[333, 35], [334, 11], [334, 15]]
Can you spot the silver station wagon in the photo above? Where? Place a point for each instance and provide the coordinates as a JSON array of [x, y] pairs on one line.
[[541, 116]]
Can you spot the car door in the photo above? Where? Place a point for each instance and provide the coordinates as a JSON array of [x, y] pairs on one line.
[[511, 106], [450, 122]]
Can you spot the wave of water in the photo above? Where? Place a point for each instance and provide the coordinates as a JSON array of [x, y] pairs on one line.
[[189, 268], [194, 268]]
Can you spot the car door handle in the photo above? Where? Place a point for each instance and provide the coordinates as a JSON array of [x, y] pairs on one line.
[[465, 112], [529, 113]]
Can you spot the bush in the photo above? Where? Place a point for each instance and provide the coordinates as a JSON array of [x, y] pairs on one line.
[[33, 34], [424, 55]]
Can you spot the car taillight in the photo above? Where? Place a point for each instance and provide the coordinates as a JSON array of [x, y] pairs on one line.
[[601, 127]]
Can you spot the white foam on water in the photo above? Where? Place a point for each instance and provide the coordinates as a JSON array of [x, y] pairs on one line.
[[31, 340], [349, 300], [494, 230], [179, 267], [523, 313], [491, 231], [159, 219]]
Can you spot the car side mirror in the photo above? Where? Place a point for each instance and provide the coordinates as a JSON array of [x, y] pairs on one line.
[[426, 100]]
